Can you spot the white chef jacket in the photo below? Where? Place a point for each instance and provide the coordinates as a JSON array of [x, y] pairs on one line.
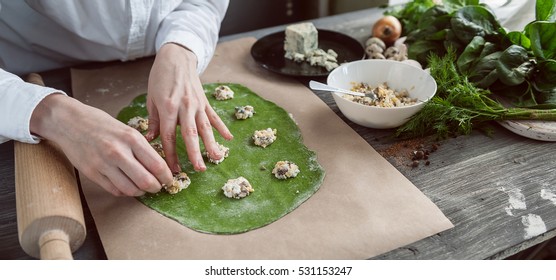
[[39, 35]]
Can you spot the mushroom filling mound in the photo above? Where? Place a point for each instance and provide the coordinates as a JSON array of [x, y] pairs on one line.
[[265, 137], [180, 182], [139, 123], [285, 169], [244, 112], [223, 93], [237, 188]]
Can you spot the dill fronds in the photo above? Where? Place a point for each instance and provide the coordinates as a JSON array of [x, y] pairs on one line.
[[459, 106]]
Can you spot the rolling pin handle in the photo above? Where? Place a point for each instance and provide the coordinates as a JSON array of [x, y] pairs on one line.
[[54, 245], [50, 219]]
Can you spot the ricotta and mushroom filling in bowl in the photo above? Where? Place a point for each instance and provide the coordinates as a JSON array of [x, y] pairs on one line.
[[386, 96]]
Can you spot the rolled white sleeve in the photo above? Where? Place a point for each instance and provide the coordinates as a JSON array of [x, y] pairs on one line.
[[18, 101], [194, 25]]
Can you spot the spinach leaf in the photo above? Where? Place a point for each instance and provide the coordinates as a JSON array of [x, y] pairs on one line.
[[543, 38], [471, 21], [453, 42], [486, 81], [435, 17], [433, 30], [514, 65], [518, 38], [454, 5], [546, 10], [484, 72], [544, 79], [478, 62], [420, 50], [410, 14], [470, 54]]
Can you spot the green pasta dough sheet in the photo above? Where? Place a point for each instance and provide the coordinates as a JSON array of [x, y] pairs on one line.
[[203, 206]]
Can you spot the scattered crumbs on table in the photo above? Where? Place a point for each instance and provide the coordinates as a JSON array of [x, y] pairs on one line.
[[411, 152]]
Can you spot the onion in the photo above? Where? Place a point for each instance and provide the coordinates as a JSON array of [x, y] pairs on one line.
[[388, 29]]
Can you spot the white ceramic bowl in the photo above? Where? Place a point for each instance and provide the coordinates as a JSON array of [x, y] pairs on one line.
[[398, 75]]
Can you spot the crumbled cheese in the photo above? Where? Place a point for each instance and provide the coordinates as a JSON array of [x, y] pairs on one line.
[[386, 97], [225, 150], [180, 182], [265, 137], [223, 93], [301, 44], [244, 112], [158, 148], [237, 188], [319, 57], [139, 123], [332, 53], [285, 169]]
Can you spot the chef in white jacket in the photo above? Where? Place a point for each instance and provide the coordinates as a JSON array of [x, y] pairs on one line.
[[38, 35]]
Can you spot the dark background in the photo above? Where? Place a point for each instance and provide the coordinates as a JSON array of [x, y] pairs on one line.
[[247, 15]]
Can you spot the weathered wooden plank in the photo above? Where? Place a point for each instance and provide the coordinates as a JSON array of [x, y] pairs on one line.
[[469, 178]]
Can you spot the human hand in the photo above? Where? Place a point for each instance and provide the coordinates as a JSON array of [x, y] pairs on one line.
[[110, 153], [176, 96]]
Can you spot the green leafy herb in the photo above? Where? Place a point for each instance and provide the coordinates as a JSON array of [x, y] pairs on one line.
[[520, 65], [459, 106]]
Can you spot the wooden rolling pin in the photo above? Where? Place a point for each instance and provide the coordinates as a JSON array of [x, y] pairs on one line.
[[49, 213]]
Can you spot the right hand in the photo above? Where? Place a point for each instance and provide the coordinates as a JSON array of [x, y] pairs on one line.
[[110, 153], [176, 97]]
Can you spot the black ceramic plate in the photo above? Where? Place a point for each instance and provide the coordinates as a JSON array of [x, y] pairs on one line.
[[269, 53]]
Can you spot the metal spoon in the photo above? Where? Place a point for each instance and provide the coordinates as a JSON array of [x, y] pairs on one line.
[[314, 85]]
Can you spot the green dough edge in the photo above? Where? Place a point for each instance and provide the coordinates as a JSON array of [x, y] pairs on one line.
[[203, 206]]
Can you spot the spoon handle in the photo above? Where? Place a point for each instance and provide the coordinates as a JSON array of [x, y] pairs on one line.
[[314, 85]]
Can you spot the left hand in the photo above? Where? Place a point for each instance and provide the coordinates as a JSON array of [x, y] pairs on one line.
[[176, 97]]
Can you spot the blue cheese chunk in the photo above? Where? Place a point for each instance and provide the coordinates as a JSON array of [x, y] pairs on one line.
[[139, 123], [285, 170], [223, 93], [237, 188], [301, 44], [265, 137], [180, 182], [225, 150], [244, 112], [301, 39]]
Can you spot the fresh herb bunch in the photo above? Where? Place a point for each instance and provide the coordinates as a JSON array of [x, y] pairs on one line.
[[459, 106], [520, 65]]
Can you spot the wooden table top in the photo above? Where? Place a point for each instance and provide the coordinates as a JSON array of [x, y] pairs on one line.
[[490, 187]]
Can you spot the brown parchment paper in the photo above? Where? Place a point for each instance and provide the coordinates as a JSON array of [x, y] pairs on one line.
[[364, 207]]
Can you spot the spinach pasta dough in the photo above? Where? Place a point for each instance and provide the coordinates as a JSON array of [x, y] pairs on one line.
[[203, 206]]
